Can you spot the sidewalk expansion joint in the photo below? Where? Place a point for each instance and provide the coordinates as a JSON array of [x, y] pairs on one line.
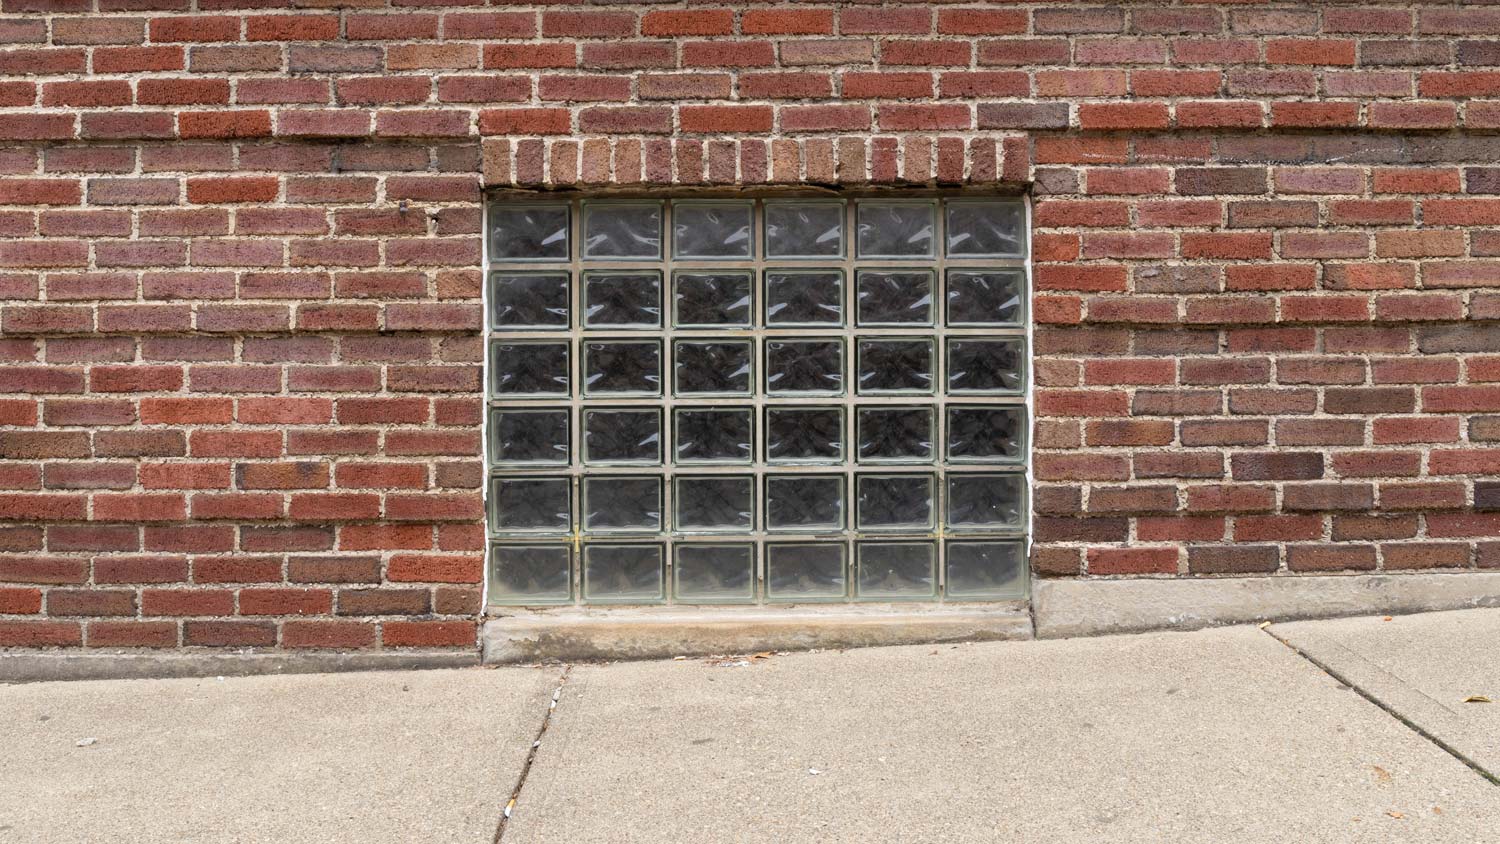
[[536, 745]]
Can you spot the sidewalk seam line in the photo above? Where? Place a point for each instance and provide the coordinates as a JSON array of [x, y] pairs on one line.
[[531, 752]]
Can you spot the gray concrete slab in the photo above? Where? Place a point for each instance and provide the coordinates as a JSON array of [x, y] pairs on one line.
[[1223, 735], [376, 757]]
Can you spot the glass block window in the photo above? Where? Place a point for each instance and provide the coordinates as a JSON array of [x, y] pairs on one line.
[[735, 401]]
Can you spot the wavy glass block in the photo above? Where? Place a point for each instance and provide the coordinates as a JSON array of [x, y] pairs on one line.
[[895, 434], [980, 433], [895, 366], [986, 297], [797, 572], [985, 366], [628, 367], [614, 503], [895, 229], [805, 502], [528, 232], [623, 574], [720, 367], [804, 229], [982, 229], [986, 570], [705, 573], [714, 503], [531, 574], [531, 505], [523, 369], [622, 230], [986, 502], [713, 435], [890, 502], [529, 437], [804, 297], [804, 434], [711, 230], [622, 299], [622, 435], [894, 297], [804, 366], [711, 298], [893, 571], [529, 300]]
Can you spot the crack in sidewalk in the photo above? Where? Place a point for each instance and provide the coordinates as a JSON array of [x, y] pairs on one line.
[[536, 745]]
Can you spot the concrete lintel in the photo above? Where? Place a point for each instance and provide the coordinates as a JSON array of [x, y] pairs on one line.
[[37, 666]]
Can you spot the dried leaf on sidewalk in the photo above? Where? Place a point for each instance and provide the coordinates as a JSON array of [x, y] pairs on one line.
[[762, 655], [1397, 815], [1477, 699], [1382, 776]]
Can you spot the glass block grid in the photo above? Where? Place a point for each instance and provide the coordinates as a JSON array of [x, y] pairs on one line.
[[783, 400]]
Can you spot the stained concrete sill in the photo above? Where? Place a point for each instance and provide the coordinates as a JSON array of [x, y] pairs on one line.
[[27, 666]]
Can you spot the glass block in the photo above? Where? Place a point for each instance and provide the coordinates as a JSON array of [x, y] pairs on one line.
[[804, 434], [901, 434], [623, 574], [622, 435], [711, 230], [805, 502], [895, 297], [985, 366], [804, 366], [804, 229], [986, 434], [529, 300], [893, 571], [896, 229], [715, 503], [713, 435], [521, 369], [988, 502], [895, 366], [622, 230], [622, 367], [712, 298], [805, 572], [982, 228], [622, 299], [526, 436], [804, 297], [887, 502], [530, 574], [614, 503], [986, 569], [528, 232], [713, 574], [531, 504], [986, 297], [719, 367]]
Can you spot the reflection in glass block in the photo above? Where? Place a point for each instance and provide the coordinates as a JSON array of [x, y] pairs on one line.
[[989, 434], [804, 297], [986, 569], [623, 574], [711, 229], [888, 366], [804, 434], [804, 229], [530, 574], [529, 368], [982, 228], [529, 300], [804, 502], [715, 503], [895, 296], [896, 570], [714, 573], [618, 503], [529, 436], [531, 504], [985, 365], [985, 297], [528, 232], [709, 434], [805, 572], [712, 298], [712, 367], [621, 436], [894, 501], [895, 229], [622, 230], [895, 433], [622, 298], [994, 502], [622, 366], [804, 366]]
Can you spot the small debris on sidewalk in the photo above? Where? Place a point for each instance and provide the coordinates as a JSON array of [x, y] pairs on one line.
[[813, 771], [86, 742], [1478, 699]]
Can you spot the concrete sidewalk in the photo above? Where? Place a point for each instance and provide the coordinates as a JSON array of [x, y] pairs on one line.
[[1233, 735]]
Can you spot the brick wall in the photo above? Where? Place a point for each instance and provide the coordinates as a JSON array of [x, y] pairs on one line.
[[240, 272]]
